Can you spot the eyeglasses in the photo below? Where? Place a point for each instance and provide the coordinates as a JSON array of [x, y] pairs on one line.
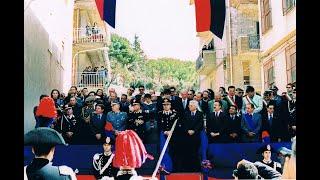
[[240, 92], [189, 94], [288, 87]]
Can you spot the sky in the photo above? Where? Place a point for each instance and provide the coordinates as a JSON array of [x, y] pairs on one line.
[[166, 28]]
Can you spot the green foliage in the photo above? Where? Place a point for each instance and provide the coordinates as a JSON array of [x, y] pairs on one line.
[[129, 62]]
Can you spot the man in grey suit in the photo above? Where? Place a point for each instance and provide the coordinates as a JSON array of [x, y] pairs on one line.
[[251, 124]]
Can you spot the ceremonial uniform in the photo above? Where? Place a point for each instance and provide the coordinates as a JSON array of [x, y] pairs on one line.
[[86, 114], [273, 164], [133, 123], [70, 124], [118, 120], [166, 121], [41, 168]]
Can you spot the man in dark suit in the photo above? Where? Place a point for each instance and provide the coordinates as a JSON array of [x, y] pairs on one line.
[[266, 101], [272, 123], [185, 101], [204, 102], [232, 99], [234, 125], [251, 125], [97, 124], [193, 124], [217, 125]]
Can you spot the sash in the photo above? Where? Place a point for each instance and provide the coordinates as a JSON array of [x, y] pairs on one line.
[[250, 101], [107, 165], [288, 97], [232, 102], [25, 173], [265, 102], [250, 123]]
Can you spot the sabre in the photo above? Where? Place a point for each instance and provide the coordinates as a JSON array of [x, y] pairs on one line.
[[164, 150]]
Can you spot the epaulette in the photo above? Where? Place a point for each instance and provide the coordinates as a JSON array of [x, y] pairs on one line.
[[278, 164], [97, 156], [65, 170], [136, 178]]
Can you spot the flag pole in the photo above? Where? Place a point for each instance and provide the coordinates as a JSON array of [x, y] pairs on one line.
[[164, 149]]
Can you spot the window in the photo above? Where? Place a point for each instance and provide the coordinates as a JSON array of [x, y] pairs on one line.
[[291, 63], [266, 19], [288, 5], [268, 74]]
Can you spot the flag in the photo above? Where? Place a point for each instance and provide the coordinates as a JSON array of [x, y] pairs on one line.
[[210, 18], [166, 162], [204, 145], [265, 137], [107, 11]]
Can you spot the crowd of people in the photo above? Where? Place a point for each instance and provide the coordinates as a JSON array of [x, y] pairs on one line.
[[226, 116]]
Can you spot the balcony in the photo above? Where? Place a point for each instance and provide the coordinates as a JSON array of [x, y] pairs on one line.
[[91, 80], [89, 35], [248, 43], [207, 63]]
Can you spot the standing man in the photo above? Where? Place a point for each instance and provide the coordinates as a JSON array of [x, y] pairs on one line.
[[267, 95], [150, 109], [251, 124], [102, 163], [130, 92], [124, 103], [117, 118], [217, 98], [232, 99], [166, 119], [234, 125], [273, 124], [97, 124], [193, 124], [43, 141], [239, 92], [266, 151], [141, 90], [137, 119], [185, 100], [191, 94], [252, 98], [275, 96], [217, 125]]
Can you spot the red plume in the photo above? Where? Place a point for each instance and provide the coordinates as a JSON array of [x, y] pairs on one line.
[[130, 150], [47, 108]]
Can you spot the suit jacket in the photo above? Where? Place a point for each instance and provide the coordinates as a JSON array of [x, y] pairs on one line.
[[217, 124], [264, 108], [191, 123], [238, 102], [187, 105], [234, 125], [276, 127], [204, 106], [97, 125], [245, 126]]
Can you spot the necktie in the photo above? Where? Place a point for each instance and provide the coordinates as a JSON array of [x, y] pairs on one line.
[[270, 119]]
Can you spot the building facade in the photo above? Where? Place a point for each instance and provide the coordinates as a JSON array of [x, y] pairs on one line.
[[278, 42], [47, 51], [90, 40], [234, 59]]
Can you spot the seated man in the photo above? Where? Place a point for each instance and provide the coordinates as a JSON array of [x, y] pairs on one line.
[[102, 163]]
